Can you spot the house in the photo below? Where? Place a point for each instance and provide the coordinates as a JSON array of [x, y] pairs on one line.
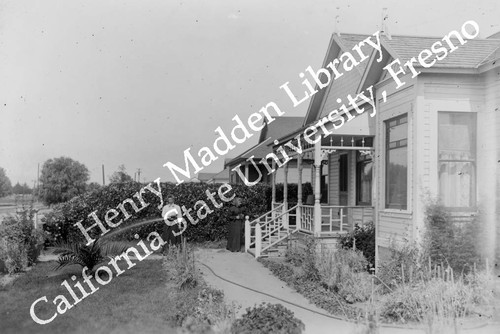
[[243, 171], [436, 136], [220, 177]]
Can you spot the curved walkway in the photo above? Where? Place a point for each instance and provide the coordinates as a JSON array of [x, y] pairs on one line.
[[244, 270]]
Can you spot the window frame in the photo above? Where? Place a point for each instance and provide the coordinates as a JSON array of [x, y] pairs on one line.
[[473, 205], [361, 161], [397, 119]]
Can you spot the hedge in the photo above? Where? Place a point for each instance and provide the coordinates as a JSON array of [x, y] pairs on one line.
[[60, 223]]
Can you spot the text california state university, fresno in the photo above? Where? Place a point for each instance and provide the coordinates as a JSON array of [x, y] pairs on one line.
[[240, 132]]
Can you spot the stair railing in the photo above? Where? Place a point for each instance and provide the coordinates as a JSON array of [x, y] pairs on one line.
[[263, 233]]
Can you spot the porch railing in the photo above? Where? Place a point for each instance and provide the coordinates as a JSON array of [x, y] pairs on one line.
[[276, 225], [306, 223], [335, 218]]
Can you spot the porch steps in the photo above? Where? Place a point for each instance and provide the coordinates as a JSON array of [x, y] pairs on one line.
[[277, 250]]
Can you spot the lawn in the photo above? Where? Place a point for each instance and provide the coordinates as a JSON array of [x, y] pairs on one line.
[[135, 302]]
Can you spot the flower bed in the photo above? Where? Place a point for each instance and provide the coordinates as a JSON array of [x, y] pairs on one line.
[[422, 296]]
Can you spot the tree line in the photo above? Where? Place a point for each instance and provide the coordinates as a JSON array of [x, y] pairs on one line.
[[61, 179]]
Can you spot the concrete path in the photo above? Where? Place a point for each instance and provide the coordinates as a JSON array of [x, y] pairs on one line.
[[244, 270]]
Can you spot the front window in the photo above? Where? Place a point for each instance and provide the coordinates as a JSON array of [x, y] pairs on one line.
[[457, 159], [364, 179], [396, 177]]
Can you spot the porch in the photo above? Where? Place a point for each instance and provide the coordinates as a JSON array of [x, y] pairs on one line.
[[330, 219]]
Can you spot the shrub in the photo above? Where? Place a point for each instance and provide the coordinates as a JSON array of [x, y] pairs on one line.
[[455, 244], [20, 242], [198, 308], [180, 265], [343, 271], [211, 312], [60, 223], [364, 237], [87, 256], [202, 310], [314, 290], [310, 269], [282, 271], [357, 287], [268, 318], [403, 266], [295, 255], [14, 255]]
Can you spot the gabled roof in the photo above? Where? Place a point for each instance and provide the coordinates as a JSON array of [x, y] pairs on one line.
[[279, 127], [339, 43], [348, 41], [495, 35], [474, 53], [222, 175], [212, 177], [471, 55], [272, 131], [204, 177]]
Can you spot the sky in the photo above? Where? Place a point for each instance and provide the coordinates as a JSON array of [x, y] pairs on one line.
[[138, 82]]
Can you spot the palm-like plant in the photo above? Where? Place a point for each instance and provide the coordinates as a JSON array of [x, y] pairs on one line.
[[87, 256]]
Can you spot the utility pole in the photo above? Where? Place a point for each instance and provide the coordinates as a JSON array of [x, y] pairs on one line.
[[139, 174], [103, 182]]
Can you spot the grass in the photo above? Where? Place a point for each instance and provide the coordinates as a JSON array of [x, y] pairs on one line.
[[136, 301]]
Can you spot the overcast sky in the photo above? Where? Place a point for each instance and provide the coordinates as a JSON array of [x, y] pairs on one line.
[[138, 82]]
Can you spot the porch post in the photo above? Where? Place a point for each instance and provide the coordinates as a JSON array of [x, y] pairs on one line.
[[299, 184], [298, 214], [317, 186], [273, 184], [285, 184], [247, 171], [312, 174], [247, 234], [285, 196]]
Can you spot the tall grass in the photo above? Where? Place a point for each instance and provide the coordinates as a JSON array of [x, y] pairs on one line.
[[198, 307], [439, 298], [344, 271], [179, 263]]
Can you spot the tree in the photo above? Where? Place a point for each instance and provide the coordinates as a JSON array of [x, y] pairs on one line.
[[23, 189], [5, 185], [93, 186], [120, 176], [62, 179]]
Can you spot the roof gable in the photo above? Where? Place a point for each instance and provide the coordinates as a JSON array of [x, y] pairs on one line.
[[339, 43], [278, 128], [472, 54]]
